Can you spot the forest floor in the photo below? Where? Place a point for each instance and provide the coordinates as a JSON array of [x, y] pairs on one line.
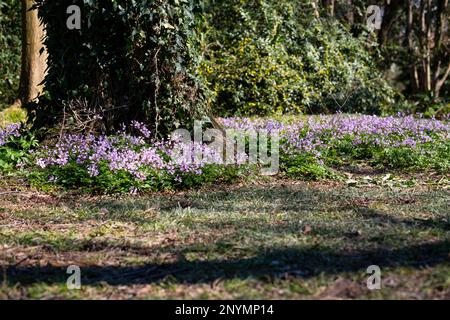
[[271, 239]]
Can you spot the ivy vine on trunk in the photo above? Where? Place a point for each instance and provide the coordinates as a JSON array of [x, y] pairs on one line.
[[130, 60]]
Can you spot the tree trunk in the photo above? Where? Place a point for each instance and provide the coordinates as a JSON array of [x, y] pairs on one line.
[[442, 52], [34, 56], [315, 6], [414, 77], [329, 7], [350, 12], [391, 11]]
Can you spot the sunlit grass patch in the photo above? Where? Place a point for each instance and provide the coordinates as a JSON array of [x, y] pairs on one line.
[[12, 115]]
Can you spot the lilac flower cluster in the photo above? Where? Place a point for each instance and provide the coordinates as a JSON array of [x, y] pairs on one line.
[[8, 132], [317, 133], [142, 156], [137, 155]]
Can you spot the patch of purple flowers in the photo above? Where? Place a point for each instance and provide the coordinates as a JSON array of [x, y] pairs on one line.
[[317, 133], [142, 157], [12, 130], [128, 153]]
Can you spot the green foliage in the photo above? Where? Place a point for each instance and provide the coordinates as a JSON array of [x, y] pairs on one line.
[[75, 176], [434, 155], [266, 57], [12, 115], [16, 153], [305, 167], [130, 60], [426, 105], [213, 174], [10, 44]]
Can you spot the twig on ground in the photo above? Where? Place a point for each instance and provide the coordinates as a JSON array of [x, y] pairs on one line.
[[9, 192]]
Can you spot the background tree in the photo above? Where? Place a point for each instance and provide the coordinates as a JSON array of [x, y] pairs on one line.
[[415, 36], [414, 39], [139, 61]]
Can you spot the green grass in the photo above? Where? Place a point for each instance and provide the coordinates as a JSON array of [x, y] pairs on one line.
[[280, 239], [12, 115]]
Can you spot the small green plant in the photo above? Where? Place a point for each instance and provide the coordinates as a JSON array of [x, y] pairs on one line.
[[16, 148], [305, 167], [12, 115]]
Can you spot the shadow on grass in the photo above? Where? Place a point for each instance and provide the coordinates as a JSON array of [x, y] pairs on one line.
[[423, 224], [284, 198], [304, 260], [277, 263]]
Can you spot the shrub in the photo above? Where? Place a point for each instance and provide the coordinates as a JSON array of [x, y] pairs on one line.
[[265, 57]]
